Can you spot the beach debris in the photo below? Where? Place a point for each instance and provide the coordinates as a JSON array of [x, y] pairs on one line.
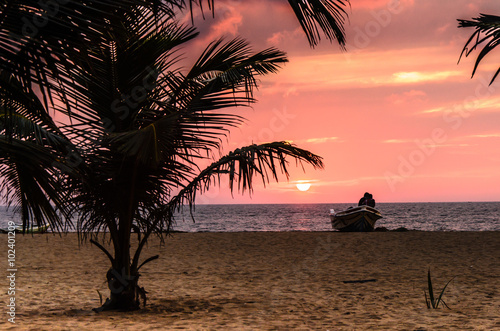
[[359, 281]]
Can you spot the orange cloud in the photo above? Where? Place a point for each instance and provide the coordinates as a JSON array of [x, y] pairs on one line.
[[229, 24], [417, 77], [376, 4], [469, 105], [406, 97], [367, 69]]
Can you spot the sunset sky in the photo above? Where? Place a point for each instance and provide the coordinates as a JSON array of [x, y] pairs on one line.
[[395, 115]]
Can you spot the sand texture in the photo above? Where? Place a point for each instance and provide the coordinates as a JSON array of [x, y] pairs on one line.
[[266, 281]]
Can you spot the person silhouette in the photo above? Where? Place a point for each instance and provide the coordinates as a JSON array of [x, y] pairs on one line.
[[367, 200]]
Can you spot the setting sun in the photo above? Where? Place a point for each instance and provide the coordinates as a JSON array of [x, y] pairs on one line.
[[303, 186]]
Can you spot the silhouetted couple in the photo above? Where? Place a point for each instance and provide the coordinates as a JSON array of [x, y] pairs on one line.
[[367, 200]]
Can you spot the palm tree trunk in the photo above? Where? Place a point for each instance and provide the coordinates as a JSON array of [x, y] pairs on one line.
[[122, 279]]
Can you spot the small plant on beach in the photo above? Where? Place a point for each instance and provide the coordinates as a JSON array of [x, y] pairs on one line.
[[432, 301]]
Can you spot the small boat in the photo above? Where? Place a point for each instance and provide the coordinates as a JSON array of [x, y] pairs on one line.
[[357, 219], [34, 229]]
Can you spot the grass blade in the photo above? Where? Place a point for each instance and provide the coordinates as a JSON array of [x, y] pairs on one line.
[[441, 294], [431, 291]]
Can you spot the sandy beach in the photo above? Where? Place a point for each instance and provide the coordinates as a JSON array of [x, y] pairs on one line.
[[266, 281]]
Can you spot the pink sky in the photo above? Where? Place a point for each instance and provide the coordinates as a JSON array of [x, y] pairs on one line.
[[394, 115]]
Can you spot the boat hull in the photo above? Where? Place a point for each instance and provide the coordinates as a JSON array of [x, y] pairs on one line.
[[358, 219], [34, 229]]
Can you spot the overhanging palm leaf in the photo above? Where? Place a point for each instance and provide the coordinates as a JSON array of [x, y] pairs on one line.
[[489, 25], [313, 15], [266, 161], [328, 15]]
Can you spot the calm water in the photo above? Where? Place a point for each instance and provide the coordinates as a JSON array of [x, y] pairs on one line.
[[449, 216]]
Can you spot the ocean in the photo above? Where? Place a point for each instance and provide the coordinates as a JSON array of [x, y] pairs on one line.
[[443, 216]]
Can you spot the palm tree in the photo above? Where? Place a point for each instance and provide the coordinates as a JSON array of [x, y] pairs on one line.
[[127, 157], [150, 124], [488, 32]]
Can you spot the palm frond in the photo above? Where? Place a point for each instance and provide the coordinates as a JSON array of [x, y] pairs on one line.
[[31, 179], [15, 125], [232, 65], [266, 161], [326, 15], [487, 30], [14, 97]]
